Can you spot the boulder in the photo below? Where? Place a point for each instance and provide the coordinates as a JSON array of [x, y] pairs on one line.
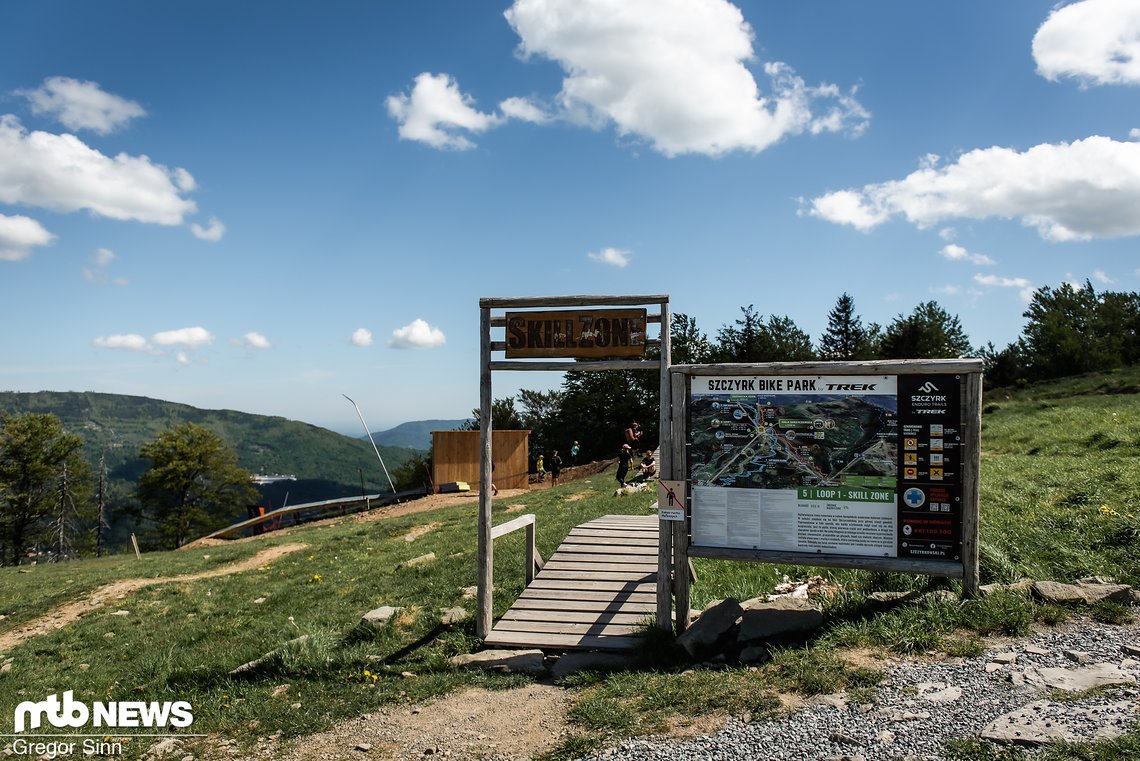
[[453, 616], [506, 661], [1044, 722], [1057, 593], [783, 617], [716, 627], [1096, 589]]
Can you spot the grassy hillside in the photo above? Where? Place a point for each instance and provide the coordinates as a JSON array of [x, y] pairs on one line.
[[415, 434], [326, 464], [1060, 500]]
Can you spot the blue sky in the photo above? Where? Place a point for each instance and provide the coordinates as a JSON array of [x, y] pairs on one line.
[[262, 207]]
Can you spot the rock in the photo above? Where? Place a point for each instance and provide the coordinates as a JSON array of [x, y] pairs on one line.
[[574, 662], [896, 715], [1005, 659], [840, 738], [453, 616], [886, 737], [993, 667], [121, 613], [717, 625], [1096, 589], [507, 661], [940, 596], [470, 593], [944, 695], [363, 747], [259, 601], [1034, 650], [1057, 593], [421, 560], [164, 748], [378, 618], [782, 617], [1077, 656], [1044, 722], [755, 654], [295, 706], [889, 599], [1131, 650], [1084, 678]]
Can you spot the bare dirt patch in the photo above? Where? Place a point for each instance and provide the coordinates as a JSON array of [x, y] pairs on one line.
[[580, 495], [473, 724], [419, 531], [62, 615]]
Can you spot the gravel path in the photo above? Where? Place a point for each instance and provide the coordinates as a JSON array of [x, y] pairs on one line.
[[917, 707]]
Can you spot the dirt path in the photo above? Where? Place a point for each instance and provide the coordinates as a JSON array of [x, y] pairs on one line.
[[62, 615]]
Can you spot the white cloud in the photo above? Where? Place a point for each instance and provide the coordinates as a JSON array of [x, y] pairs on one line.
[[128, 341], [97, 272], [81, 105], [190, 337], [956, 253], [62, 173], [1102, 277], [182, 358], [1134, 133], [947, 233], [1025, 288], [252, 340], [1094, 41], [361, 337], [436, 111], [1086, 189], [524, 110], [19, 235], [416, 335], [946, 290], [212, 232], [613, 256], [673, 72]]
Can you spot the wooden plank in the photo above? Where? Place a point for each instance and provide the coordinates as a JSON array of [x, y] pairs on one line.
[[649, 534], [592, 617], [596, 549], [486, 545], [624, 576], [609, 541], [902, 565], [545, 595], [563, 641], [526, 302], [557, 367], [971, 466], [680, 529], [593, 606], [602, 557], [639, 568], [651, 318], [871, 367], [563, 627], [513, 525], [594, 585]]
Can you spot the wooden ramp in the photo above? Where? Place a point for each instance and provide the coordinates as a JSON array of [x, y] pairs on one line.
[[597, 592]]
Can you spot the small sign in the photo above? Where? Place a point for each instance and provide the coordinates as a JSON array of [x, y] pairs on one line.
[[574, 333], [671, 500]]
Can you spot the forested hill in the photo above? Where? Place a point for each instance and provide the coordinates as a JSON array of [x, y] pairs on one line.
[[326, 464]]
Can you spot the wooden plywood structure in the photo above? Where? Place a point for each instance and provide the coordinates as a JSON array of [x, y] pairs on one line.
[[455, 457]]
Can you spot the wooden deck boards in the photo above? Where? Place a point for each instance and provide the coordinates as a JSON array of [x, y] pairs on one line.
[[596, 592]]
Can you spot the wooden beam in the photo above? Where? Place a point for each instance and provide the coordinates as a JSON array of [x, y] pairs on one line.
[[524, 302], [870, 563], [513, 525], [486, 543], [874, 367], [971, 477], [548, 366]]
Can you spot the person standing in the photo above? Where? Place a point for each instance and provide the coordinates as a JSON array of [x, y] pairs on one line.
[[540, 469], [633, 435], [574, 449], [555, 468], [624, 459]]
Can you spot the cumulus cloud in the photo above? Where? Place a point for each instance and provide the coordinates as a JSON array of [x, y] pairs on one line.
[[1102, 277], [62, 173], [1086, 189], [612, 256], [1025, 288], [673, 72], [81, 105], [97, 272], [416, 335], [182, 358], [252, 340], [361, 337], [435, 112], [1094, 41], [212, 232], [189, 337], [956, 253], [127, 341], [19, 235], [946, 290]]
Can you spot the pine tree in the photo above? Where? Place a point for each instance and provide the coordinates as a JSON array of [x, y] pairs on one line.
[[845, 337]]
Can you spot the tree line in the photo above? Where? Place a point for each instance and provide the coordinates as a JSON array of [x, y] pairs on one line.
[[53, 507], [1071, 329]]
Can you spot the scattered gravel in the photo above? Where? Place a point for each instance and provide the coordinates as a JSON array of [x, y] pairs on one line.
[[918, 706]]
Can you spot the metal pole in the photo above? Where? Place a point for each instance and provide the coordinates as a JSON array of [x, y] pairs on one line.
[[373, 443]]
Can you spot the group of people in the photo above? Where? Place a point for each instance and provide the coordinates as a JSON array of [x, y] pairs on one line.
[[631, 449], [555, 464]]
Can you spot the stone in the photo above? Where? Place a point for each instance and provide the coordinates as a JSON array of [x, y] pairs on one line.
[[257, 663], [469, 593], [1084, 677], [165, 747], [1005, 659], [944, 695], [993, 667], [897, 715], [1096, 589], [717, 625], [507, 661], [121, 613], [421, 560], [886, 737], [840, 738], [1131, 650], [783, 617], [886, 599], [363, 747], [1057, 593], [453, 616], [378, 618], [755, 654], [280, 690], [574, 662], [1044, 722], [1077, 656], [940, 596], [1034, 650], [259, 601]]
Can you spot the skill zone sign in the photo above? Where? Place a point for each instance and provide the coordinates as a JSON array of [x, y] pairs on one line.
[[852, 470]]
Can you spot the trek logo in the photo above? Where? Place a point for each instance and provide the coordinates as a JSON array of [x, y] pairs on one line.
[[927, 388], [75, 714], [851, 386]]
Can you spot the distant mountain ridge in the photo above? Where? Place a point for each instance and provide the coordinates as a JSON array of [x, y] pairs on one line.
[[415, 434]]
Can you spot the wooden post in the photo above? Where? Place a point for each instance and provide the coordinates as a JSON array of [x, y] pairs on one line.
[[135, 544], [681, 579], [971, 477], [664, 445], [531, 553], [486, 546]]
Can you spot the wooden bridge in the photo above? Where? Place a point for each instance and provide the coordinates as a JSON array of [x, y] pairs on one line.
[[597, 592]]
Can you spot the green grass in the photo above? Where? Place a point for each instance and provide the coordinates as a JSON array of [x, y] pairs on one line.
[[1059, 500]]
